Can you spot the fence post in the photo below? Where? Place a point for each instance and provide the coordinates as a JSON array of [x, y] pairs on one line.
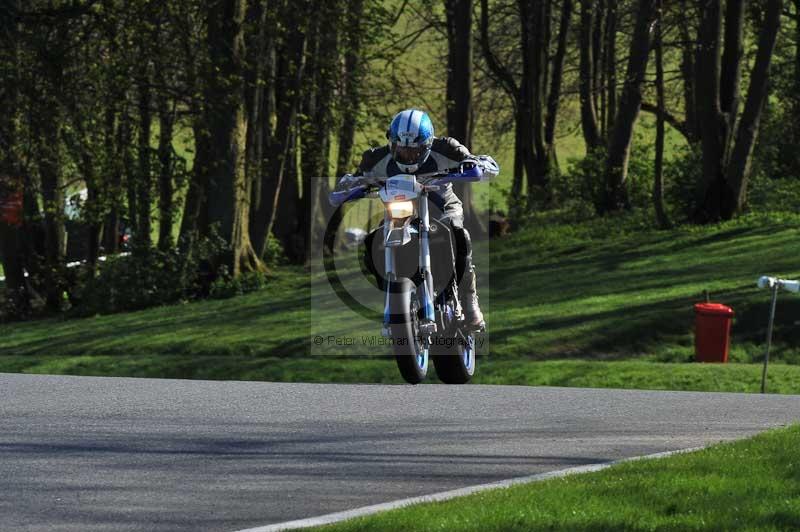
[[775, 288]]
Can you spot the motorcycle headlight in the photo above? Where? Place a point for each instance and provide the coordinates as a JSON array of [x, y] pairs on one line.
[[400, 209]]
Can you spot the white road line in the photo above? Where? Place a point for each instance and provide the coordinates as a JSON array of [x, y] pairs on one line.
[[452, 494]]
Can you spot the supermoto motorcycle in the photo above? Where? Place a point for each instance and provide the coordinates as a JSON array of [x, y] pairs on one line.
[[414, 260]]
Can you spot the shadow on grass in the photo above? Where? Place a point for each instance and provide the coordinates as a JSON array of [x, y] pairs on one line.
[[623, 331], [177, 329]]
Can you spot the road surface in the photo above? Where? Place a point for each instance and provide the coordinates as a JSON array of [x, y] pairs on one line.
[[91, 454]]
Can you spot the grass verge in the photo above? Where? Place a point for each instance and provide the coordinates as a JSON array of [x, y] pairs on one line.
[[752, 484], [594, 293], [634, 374]]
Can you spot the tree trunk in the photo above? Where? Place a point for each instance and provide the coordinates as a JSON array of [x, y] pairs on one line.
[[286, 225], [458, 15], [616, 171], [525, 101], [166, 109], [257, 79], [228, 198], [589, 125], [689, 76], [658, 181], [611, 63], [517, 93], [291, 59], [538, 182], [710, 119], [554, 94], [747, 131], [598, 70], [352, 77], [166, 187], [112, 168], [143, 185], [47, 130], [195, 211], [351, 93], [317, 127], [194, 221], [11, 183], [93, 207], [727, 145], [731, 74]]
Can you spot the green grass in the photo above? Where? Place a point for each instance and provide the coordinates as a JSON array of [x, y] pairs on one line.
[[752, 484], [608, 289], [251, 324], [591, 304]]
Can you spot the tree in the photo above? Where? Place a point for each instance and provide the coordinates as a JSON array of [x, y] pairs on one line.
[[616, 167], [194, 220], [278, 187], [352, 78], [228, 198], [166, 109], [727, 138], [50, 57], [589, 121], [458, 17], [11, 185], [141, 184], [317, 127], [658, 180], [535, 101]]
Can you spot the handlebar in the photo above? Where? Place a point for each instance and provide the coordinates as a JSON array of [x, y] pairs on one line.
[[367, 184]]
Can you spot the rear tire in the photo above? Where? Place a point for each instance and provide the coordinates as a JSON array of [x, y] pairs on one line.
[[409, 352], [455, 362]]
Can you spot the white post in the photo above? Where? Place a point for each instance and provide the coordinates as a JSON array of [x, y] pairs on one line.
[[769, 337], [775, 285]]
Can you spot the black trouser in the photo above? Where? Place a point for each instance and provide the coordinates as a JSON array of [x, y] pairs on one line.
[[453, 210]]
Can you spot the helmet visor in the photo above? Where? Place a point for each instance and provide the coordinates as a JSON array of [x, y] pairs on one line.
[[409, 154]]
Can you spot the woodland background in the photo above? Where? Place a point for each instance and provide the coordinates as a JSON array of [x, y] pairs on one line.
[[200, 127]]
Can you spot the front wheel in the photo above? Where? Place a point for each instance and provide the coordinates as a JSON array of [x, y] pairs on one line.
[[454, 358], [410, 352]]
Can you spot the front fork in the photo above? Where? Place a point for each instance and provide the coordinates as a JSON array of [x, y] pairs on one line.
[[428, 324]]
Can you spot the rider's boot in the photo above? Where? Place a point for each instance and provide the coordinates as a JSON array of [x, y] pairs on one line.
[[469, 299]]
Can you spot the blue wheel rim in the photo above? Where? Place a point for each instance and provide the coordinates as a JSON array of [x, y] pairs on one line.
[[422, 359], [469, 349]]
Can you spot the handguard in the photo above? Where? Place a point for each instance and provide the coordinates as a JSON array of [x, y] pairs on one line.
[[338, 197], [347, 189], [489, 166]]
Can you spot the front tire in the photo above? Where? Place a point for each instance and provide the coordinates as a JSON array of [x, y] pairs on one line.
[[454, 358], [409, 351]]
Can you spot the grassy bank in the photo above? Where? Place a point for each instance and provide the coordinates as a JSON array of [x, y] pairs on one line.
[[608, 289], [747, 485], [597, 291]]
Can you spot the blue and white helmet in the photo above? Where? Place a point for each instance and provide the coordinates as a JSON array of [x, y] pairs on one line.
[[410, 138]]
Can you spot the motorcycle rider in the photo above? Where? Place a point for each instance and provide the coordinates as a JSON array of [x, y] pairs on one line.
[[413, 149]]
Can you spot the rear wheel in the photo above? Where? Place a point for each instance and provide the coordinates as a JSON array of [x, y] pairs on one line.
[[454, 358], [410, 352]]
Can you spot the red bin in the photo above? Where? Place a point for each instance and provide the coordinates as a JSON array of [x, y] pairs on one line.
[[712, 330]]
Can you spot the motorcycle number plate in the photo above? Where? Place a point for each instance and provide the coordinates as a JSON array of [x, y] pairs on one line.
[[400, 188]]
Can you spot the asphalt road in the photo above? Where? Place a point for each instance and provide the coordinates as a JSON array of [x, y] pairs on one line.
[[85, 454]]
